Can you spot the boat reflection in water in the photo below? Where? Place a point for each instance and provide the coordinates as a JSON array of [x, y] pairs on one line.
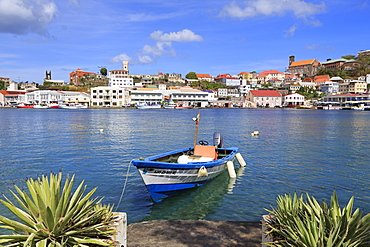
[[195, 203]]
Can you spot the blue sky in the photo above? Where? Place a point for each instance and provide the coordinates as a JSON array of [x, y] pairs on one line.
[[213, 37]]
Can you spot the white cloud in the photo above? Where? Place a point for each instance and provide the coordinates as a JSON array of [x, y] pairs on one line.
[[252, 8], [150, 17], [291, 31], [322, 48], [185, 35], [121, 57], [143, 59], [22, 16], [162, 46]]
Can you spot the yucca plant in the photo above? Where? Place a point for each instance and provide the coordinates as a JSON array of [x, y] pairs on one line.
[[52, 215], [296, 222]]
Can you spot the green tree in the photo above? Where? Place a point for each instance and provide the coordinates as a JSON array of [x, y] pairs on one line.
[[349, 57], [103, 71], [2, 85], [191, 75]]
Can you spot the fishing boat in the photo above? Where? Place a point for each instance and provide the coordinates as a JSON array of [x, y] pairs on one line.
[[184, 107], [148, 105], [170, 106], [170, 172], [25, 105], [72, 106], [328, 105], [41, 106]]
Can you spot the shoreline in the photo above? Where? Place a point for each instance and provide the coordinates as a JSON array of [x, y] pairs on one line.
[[194, 233]]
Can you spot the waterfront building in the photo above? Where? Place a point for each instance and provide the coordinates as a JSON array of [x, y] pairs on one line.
[[293, 99], [43, 96], [75, 97], [183, 96], [265, 98], [346, 97], [49, 96], [111, 96], [10, 98], [304, 68], [149, 95]]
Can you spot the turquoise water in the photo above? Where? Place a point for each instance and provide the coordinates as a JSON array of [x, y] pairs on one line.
[[297, 151]]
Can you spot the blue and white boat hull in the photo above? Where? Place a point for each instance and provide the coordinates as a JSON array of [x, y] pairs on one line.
[[163, 178]]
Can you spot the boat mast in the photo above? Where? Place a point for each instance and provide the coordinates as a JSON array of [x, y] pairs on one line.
[[196, 120]]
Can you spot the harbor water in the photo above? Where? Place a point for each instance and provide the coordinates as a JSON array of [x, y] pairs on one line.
[[297, 151]]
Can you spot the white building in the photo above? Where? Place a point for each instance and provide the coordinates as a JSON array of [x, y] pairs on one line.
[[294, 99], [109, 96], [75, 97], [48, 96], [185, 96], [43, 96], [149, 95], [329, 88], [120, 77], [244, 88], [190, 96]]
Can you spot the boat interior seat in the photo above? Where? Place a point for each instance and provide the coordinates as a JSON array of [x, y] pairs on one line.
[[205, 151]]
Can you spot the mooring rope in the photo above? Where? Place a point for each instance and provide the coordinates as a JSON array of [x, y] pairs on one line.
[[124, 186]]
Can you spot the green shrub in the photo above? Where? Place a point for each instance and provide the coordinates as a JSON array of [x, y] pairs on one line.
[[51, 215], [299, 222]]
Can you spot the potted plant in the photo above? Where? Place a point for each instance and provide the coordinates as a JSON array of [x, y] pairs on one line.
[[50, 214]]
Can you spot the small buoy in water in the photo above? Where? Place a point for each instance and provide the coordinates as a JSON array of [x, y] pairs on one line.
[[255, 133], [101, 130]]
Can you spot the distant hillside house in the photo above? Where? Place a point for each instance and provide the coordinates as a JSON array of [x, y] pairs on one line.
[[245, 76], [204, 77], [268, 75], [265, 98], [321, 79], [228, 80], [304, 68], [340, 64], [6, 80], [353, 87], [79, 76]]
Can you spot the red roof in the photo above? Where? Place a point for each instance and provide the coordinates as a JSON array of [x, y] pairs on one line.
[[265, 93], [8, 93], [321, 78], [308, 79], [227, 76], [271, 72], [203, 75]]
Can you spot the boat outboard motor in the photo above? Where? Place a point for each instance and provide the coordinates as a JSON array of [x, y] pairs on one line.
[[217, 139]]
